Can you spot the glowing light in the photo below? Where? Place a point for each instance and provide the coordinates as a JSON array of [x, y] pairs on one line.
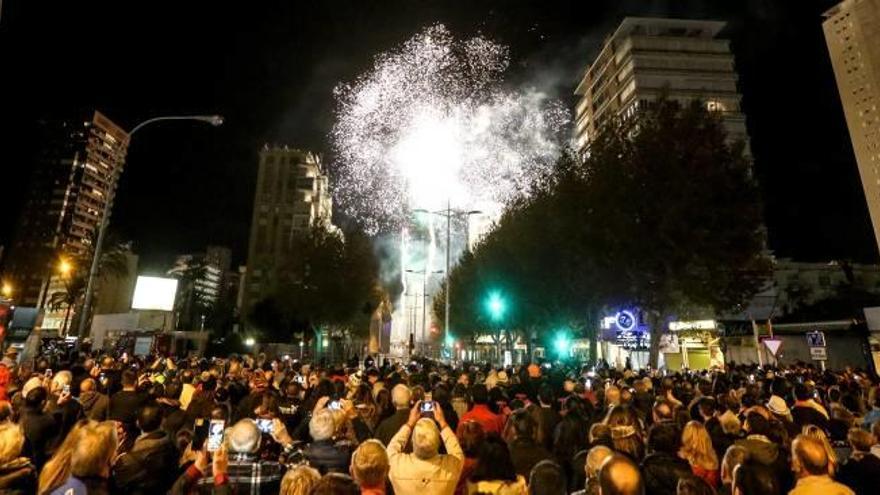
[[562, 344], [7, 290], [65, 267], [496, 306], [430, 123], [249, 342]]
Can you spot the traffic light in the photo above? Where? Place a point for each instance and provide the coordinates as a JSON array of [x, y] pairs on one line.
[[496, 306]]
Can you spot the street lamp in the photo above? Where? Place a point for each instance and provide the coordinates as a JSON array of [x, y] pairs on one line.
[[448, 212], [214, 120], [6, 290], [65, 267], [424, 275]]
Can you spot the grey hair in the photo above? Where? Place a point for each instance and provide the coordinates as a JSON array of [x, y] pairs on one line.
[[322, 426], [401, 395], [243, 437], [426, 439]]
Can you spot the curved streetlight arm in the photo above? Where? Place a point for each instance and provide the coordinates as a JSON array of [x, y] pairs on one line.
[[214, 120]]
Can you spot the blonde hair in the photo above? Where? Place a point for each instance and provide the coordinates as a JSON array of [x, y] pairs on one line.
[[56, 471], [299, 481], [696, 446], [369, 464], [94, 450], [11, 442], [425, 439], [813, 431]]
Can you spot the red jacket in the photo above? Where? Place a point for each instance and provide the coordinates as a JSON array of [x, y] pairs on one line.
[[491, 422]]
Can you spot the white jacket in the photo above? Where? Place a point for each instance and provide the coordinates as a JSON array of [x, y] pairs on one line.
[[435, 476]]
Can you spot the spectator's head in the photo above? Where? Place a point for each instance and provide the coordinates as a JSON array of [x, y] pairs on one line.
[[299, 481], [802, 392], [545, 394], [809, 457], [426, 439], [595, 458], [36, 398], [696, 446], [620, 476], [149, 417], [107, 362], [600, 433], [734, 456], [494, 462], [707, 407], [730, 424], [548, 478], [754, 478], [5, 411], [664, 437], [173, 389], [11, 442], [626, 432], [860, 440], [92, 454], [818, 434], [129, 379], [523, 424], [757, 424], [400, 396], [612, 396], [322, 426], [335, 484], [471, 436], [60, 379], [662, 411], [369, 464], [87, 385], [243, 437], [480, 394], [692, 485]]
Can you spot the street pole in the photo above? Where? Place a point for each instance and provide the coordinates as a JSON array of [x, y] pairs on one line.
[[448, 273], [214, 120]]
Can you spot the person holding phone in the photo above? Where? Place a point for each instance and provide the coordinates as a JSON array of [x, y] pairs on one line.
[[425, 471]]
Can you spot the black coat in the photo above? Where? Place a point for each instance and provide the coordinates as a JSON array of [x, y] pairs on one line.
[[41, 431], [390, 426], [150, 466], [662, 472], [327, 457], [862, 474], [124, 406], [525, 453]]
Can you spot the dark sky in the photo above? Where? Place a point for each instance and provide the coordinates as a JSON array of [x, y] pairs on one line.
[[270, 67]]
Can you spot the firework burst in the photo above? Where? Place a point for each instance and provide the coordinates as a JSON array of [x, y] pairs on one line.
[[431, 123]]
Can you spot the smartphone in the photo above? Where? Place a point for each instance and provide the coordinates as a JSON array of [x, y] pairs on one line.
[[588, 383], [48, 372], [215, 434], [334, 405], [266, 425], [300, 379], [200, 433], [426, 407], [66, 389]]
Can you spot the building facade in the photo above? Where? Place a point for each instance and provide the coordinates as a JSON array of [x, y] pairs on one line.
[[852, 33], [645, 58], [75, 177], [204, 278], [292, 194]]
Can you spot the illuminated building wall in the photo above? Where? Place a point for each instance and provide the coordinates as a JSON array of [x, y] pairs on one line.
[[647, 57], [852, 33], [75, 174]]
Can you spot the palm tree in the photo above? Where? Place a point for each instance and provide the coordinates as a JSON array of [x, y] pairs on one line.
[[68, 298]]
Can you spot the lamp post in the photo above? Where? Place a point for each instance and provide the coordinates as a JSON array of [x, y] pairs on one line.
[[214, 120], [448, 212], [424, 274]]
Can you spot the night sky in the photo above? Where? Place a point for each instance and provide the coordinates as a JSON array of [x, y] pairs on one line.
[[269, 68]]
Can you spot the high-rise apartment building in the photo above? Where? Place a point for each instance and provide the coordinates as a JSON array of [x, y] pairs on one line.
[[645, 58], [75, 176], [292, 193], [203, 283], [852, 33]]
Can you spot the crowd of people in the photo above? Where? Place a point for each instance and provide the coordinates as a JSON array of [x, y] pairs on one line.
[[98, 423]]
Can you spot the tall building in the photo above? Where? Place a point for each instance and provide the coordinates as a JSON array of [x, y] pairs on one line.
[[852, 33], [75, 175], [204, 278], [292, 193], [648, 57]]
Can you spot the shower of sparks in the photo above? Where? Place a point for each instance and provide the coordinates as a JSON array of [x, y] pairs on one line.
[[430, 123]]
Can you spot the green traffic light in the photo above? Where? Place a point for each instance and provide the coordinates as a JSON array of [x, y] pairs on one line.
[[496, 306]]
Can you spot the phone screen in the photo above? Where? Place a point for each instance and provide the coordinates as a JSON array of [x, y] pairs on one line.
[[66, 389], [334, 405], [426, 407], [215, 434], [266, 425]]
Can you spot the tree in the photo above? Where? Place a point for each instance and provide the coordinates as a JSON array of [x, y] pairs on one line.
[[325, 280], [192, 304], [674, 212]]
